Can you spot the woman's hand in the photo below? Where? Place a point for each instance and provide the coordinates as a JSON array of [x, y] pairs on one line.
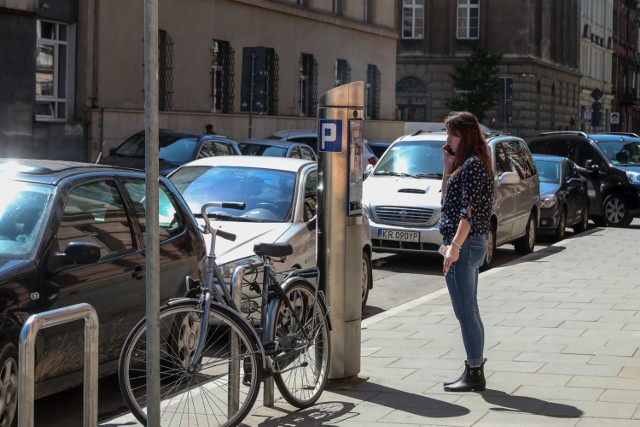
[[452, 255]]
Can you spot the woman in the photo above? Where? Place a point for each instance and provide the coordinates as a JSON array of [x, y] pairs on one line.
[[467, 199]]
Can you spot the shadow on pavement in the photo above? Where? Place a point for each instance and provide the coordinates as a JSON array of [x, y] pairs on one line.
[[530, 405], [411, 403], [327, 414]]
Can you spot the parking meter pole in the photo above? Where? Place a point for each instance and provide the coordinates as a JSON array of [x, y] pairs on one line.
[[340, 221]]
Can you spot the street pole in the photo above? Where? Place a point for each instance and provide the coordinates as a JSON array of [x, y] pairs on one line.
[[152, 242]]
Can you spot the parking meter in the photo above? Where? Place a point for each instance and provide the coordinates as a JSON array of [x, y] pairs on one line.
[[340, 221]]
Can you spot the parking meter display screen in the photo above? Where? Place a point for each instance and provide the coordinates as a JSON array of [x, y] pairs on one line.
[[356, 168]]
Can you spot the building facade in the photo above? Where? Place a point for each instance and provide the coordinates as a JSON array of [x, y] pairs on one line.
[[539, 72], [88, 71]]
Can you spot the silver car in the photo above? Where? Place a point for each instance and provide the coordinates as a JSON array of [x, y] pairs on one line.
[[402, 195], [280, 197]]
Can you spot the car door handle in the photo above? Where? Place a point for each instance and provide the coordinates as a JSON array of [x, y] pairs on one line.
[[138, 273]]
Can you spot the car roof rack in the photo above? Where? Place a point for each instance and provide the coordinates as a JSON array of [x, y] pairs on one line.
[[632, 134], [564, 132]]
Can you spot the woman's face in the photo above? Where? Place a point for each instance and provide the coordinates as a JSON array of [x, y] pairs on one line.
[[453, 141]]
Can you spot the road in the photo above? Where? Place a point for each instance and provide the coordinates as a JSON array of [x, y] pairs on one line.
[[65, 409]]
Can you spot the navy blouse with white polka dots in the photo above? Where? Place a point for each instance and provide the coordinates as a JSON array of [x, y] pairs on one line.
[[471, 186]]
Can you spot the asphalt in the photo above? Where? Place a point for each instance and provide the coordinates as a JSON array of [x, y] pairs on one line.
[[562, 342]]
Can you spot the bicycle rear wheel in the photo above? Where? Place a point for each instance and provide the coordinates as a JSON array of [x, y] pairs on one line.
[[222, 388], [302, 356]]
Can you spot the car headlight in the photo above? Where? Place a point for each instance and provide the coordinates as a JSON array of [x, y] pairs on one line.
[[549, 201], [634, 177]]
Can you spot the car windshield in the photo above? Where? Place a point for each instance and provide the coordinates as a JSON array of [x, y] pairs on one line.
[[623, 153], [548, 171], [171, 149], [418, 159], [248, 149], [268, 193], [23, 212]]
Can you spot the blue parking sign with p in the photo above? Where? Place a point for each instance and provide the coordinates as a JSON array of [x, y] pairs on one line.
[[330, 135]]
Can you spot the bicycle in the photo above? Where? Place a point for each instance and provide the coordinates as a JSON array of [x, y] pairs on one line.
[[211, 358]]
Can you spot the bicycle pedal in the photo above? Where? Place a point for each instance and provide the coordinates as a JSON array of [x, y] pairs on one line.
[[271, 348], [254, 287]]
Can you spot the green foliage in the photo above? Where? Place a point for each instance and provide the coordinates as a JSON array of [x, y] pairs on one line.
[[476, 82]]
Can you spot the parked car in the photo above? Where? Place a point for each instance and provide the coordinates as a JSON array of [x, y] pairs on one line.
[[611, 164], [74, 233], [306, 136], [175, 148], [402, 195], [379, 147], [280, 197], [277, 148], [368, 156], [563, 194]]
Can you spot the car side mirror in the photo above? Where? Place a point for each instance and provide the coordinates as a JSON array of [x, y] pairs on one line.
[[591, 166], [112, 150], [509, 178], [368, 169], [82, 253]]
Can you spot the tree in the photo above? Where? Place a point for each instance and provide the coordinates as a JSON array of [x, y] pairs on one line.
[[476, 82]]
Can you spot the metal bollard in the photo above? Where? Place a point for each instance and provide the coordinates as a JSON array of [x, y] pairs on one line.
[[236, 292], [27, 359]]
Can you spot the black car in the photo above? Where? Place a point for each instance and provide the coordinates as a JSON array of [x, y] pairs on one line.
[[277, 148], [74, 233], [175, 149], [611, 164], [563, 196]]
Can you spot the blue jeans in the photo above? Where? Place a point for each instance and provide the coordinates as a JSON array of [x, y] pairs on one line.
[[462, 282]]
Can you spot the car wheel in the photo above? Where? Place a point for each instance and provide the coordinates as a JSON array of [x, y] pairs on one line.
[[584, 221], [615, 211], [562, 225], [367, 277], [8, 385], [526, 243], [491, 248]]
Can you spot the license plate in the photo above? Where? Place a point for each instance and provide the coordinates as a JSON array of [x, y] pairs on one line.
[[399, 235]]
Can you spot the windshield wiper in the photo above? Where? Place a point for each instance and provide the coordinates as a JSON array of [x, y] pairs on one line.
[[428, 175], [226, 217], [392, 173]]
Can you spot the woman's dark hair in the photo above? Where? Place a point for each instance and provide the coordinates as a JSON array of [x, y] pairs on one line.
[[473, 143]]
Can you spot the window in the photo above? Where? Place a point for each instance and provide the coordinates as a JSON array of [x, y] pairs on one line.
[[373, 92], [54, 67], [222, 77], [259, 89], [171, 220], [165, 72], [95, 213], [413, 19], [411, 98], [310, 189], [468, 19], [213, 148], [308, 77], [343, 72]]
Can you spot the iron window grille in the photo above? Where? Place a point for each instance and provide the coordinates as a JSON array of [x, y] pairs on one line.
[[222, 64], [343, 72], [308, 77], [165, 71], [373, 92]]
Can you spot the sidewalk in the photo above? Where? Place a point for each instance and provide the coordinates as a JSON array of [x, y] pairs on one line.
[[562, 342]]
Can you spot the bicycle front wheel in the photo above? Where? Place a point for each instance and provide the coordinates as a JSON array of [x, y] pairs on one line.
[[302, 345], [218, 391]]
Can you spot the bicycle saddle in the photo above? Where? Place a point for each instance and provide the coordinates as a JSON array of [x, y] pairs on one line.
[[273, 249]]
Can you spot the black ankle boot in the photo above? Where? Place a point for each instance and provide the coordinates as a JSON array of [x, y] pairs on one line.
[[472, 379]]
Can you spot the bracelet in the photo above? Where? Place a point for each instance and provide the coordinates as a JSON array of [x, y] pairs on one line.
[[455, 244]]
